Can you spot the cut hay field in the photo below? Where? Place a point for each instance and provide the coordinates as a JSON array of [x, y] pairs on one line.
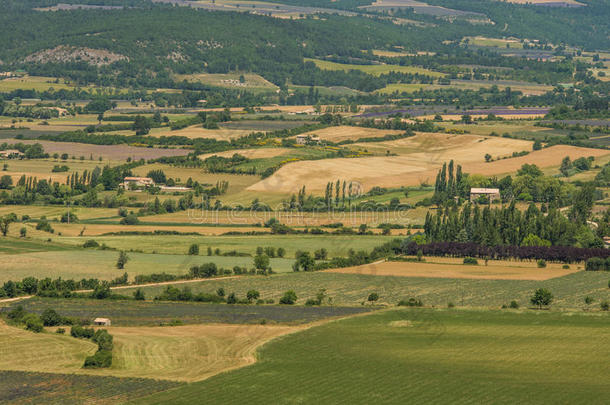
[[423, 356], [493, 42], [179, 353], [419, 159], [256, 153], [252, 81], [237, 182], [108, 152], [38, 83], [186, 353], [434, 268], [54, 212], [373, 69], [353, 289], [41, 168], [197, 131], [344, 132], [21, 350]]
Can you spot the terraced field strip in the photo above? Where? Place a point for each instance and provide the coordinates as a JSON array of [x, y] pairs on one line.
[[374, 69], [493, 271]]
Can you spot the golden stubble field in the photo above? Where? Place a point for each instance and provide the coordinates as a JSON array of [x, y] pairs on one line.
[[343, 132], [453, 268], [180, 353], [419, 158]]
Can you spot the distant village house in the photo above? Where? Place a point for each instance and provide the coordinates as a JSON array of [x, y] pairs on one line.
[[130, 182], [102, 322], [306, 139], [10, 154], [492, 194]]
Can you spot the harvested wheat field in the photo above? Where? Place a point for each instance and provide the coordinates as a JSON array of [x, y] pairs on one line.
[[26, 351], [256, 153], [197, 131], [111, 152], [495, 270], [418, 162], [343, 132], [186, 353]]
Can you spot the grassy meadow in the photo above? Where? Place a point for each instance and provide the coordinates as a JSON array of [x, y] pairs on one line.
[[353, 289], [373, 69], [423, 356]]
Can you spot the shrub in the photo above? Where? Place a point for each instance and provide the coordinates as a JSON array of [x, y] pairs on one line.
[[541, 263], [50, 317], [33, 323], [605, 305], [130, 219], [565, 266], [232, 299], [91, 243], [411, 302], [373, 297], [101, 359], [450, 305], [194, 249], [470, 260], [514, 304], [597, 264], [82, 333], [289, 298], [60, 331]]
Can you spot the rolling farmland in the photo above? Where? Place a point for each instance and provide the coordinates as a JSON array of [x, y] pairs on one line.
[[428, 356]]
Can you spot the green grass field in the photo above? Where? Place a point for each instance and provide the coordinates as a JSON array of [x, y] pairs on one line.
[[423, 356], [336, 245], [78, 264], [353, 289], [373, 69]]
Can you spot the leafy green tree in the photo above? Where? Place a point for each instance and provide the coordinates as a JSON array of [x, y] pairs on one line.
[[261, 262], [373, 297], [50, 317], [193, 249], [542, 297], [138, 295], [5, 222], [252, 295], [122, 260]]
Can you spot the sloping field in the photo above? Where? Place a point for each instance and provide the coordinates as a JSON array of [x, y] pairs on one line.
[[373, 69], [186, 353], [112, 152], [256, 153], [493, 271], [417, 164], [230, 80], [423, 356], [343, 132], [26, 351], [197, 131]]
